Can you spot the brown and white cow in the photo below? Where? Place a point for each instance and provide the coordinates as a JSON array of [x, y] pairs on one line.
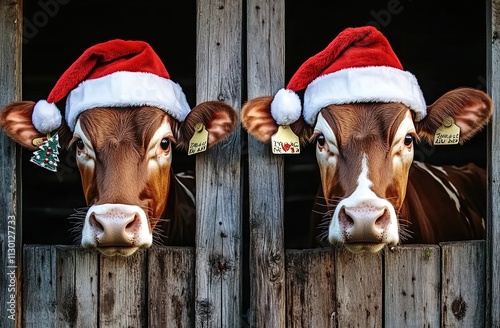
[[125, 156], [123, 115], [364, 122]]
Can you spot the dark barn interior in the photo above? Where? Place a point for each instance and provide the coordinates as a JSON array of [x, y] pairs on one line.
[[443, 43]]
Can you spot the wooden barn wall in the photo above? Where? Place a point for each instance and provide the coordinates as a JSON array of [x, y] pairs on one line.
[[10, 219], [451, 284], [493, 229]]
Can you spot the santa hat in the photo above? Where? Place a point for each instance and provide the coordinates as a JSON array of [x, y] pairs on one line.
[[116, 73], [359, 65]]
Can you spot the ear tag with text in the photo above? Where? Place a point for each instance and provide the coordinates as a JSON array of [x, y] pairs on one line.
[[285, 141], [46, 155], [448, 133], [199, 140]]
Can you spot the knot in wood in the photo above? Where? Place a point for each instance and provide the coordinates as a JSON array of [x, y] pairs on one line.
[[459, 308]]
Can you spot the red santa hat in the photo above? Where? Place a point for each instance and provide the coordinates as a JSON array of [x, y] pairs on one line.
[[359, 65], [116, 73]]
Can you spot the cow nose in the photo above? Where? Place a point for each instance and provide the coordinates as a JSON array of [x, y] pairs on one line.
[[364, 224], [115, 229]]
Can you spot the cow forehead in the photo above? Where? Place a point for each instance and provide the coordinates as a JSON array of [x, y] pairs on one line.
[[133, 127], [351, 124]]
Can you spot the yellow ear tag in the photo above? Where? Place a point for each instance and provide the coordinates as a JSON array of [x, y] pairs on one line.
[[199, 140], [448, 133], [285, 141]]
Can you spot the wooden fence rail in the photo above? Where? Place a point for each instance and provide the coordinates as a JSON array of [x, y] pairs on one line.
[[408, 286]]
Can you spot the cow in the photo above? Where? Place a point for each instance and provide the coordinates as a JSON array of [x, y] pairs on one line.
[[123, 125], [364, 120]]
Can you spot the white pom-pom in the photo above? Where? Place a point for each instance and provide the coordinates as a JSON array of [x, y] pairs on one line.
[[46, 117], [286, 107]]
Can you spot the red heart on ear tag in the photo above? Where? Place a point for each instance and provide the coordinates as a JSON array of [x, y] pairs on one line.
[[286, 146]]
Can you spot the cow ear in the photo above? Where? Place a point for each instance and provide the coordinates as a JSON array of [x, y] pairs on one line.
[[16, 122], [256, 118], [219, 119], [471, 109]]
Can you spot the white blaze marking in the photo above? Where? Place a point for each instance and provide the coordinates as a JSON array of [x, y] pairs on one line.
[[451, 194], [363, 196]]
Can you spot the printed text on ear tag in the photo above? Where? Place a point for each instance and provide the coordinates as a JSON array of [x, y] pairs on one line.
[[199, 140], [448, 133], [285, 141]]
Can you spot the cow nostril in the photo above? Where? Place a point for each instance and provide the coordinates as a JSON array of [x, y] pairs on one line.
[[96, 225], [345, 220], [134, 225], [383, 221]]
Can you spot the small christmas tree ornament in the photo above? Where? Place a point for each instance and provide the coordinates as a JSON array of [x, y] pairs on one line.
[[46, 155]]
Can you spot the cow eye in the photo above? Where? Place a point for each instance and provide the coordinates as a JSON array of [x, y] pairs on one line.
[[408, 139], [320, 140], [164, 143], [79, 144]]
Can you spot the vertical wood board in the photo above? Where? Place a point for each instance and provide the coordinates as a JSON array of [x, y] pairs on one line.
[[265, 75], [218, 181], [122, 296], [412, 286], [171, 287], [359, 283], [10, 218], [310, 288], [463, 289]]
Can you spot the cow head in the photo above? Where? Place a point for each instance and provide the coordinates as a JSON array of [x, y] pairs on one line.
[[364, 122], [124, 156], [123, 121]]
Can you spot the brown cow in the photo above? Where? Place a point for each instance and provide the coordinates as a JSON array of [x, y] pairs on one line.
[[123, 120], [364, 113]]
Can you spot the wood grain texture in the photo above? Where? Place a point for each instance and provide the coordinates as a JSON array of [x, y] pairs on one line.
[[122, 297], [493, 222], [359, 290], [39, 287], [310, 288], [77, 279], [218, 180], [265, 67], [412, 286], [463, 289], [171, 287], [10, 218]]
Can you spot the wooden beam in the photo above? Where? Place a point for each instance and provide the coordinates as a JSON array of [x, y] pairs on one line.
[[218, 182], [265, 76], [10, 214]]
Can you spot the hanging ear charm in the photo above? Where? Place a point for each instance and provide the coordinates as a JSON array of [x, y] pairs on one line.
[[46, 155]]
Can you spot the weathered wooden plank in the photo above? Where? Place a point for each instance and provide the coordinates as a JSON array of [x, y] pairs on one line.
[[122, 298], [412, 286], [359, 290], [493, 223], [463, 289], [171, 287], [310, 289], [218, 181], [10, 218], [39, 287], [76, 286], [265, 70]]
